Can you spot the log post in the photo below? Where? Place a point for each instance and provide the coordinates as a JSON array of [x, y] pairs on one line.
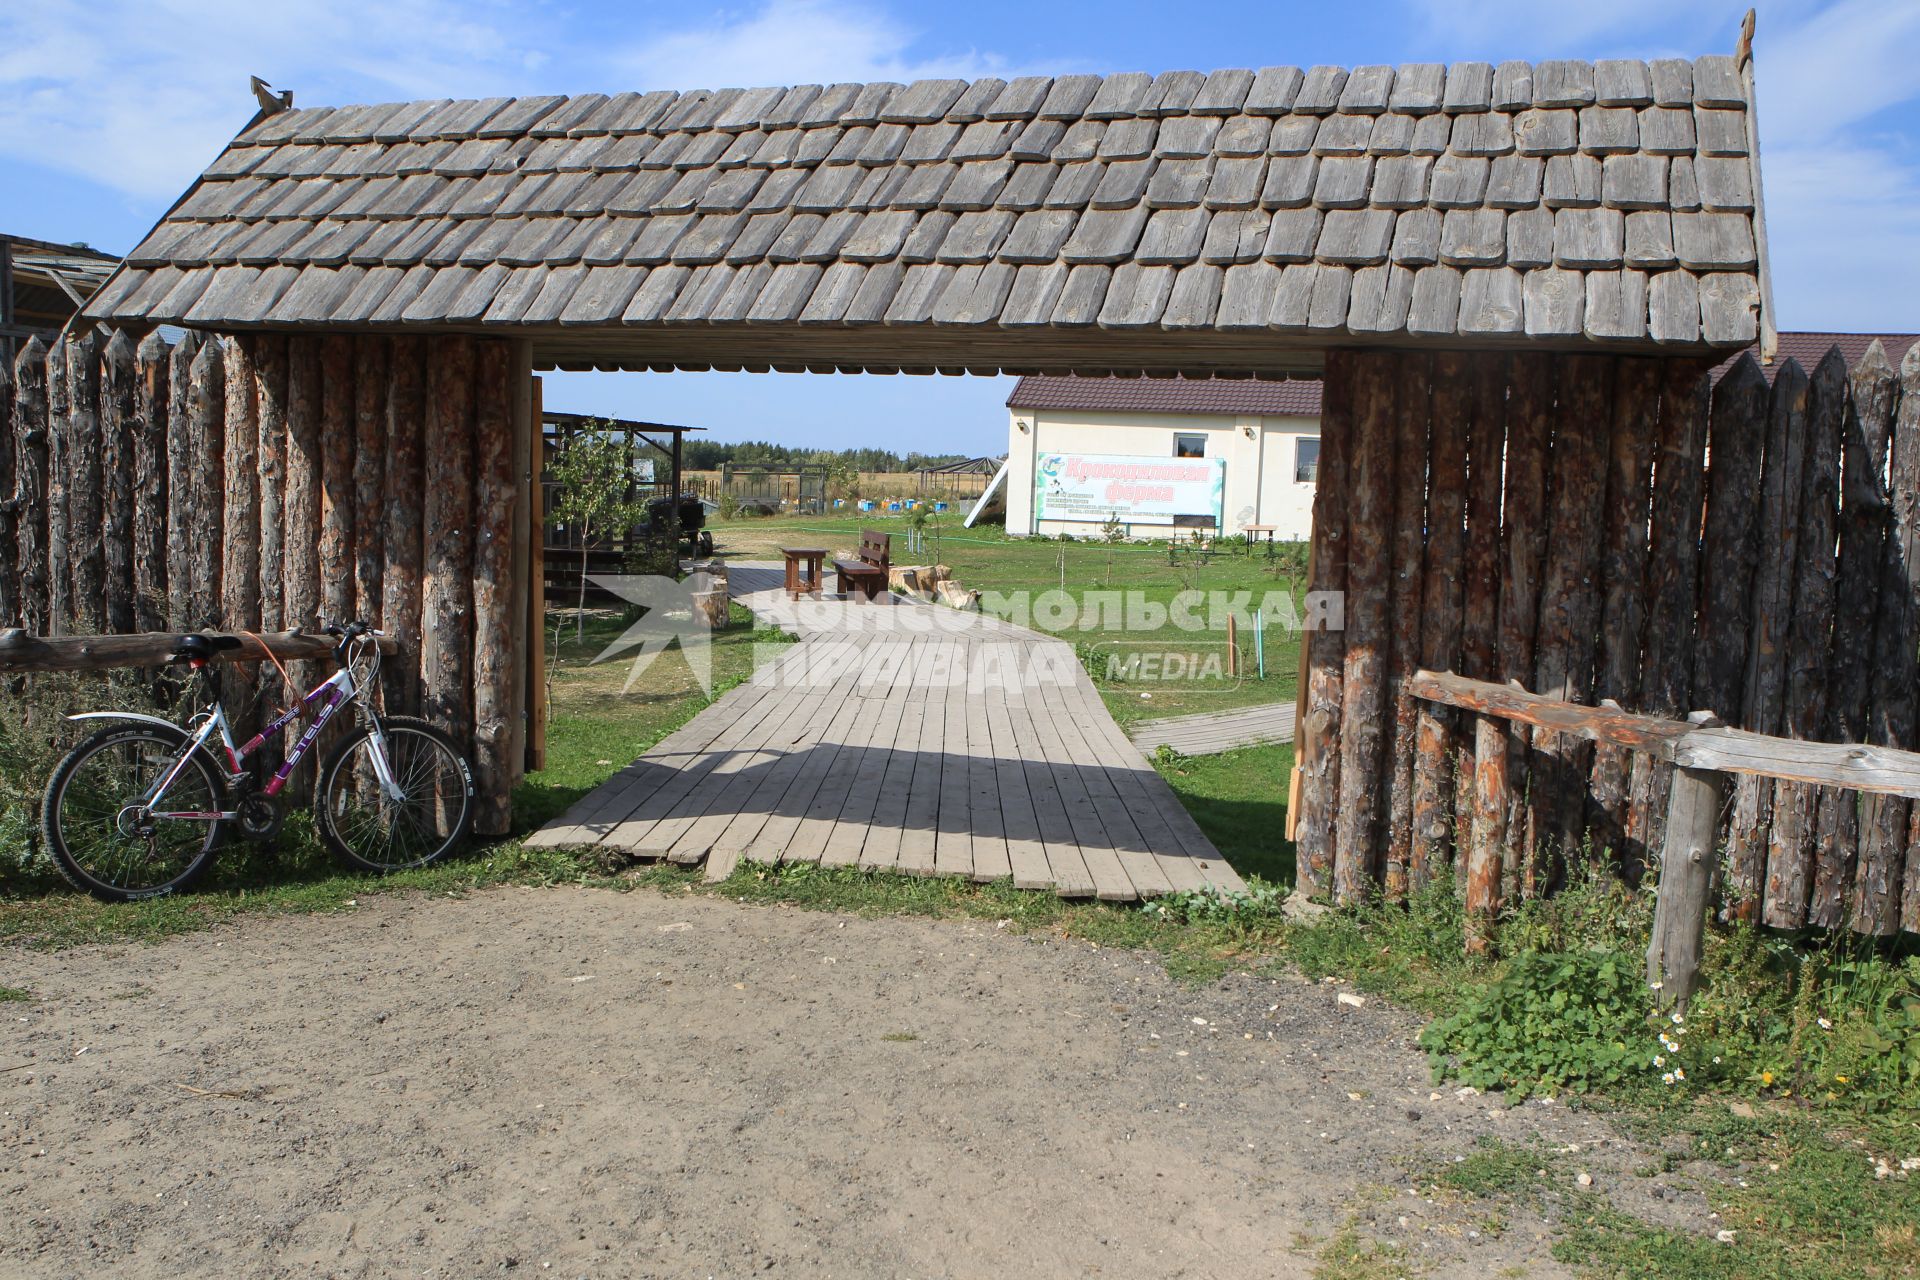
[[209, 399], [270, 400], [1866, 508], [1790, 844], [1480, 584], [9, 504], [337, 431], [1454, 408], [1666, 660], [403, 486], [183, 481], [447, 595], [1570, 608], [59, 483], [301, 471], [494, 658], [240, 525], [369, 473], [1364, 691], [30, 440], [1728, 554], [119, 424], [1783, 470], [1529, 436], [1686, 872], [537, 706], [526, 551], [1636, 418], [87, 555], [1324, 647], [1877, 889], [150, 485], [1412, 406]]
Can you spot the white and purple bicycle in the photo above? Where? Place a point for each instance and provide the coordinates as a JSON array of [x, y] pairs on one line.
[[140, 808]]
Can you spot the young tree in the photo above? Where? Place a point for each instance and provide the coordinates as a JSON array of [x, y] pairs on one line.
[[1113, 533], [594, 471]]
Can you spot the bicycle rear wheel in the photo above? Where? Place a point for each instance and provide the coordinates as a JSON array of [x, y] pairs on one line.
[[100, 838], [370, 829]]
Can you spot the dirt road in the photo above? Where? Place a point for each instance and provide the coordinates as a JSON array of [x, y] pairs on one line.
[[584, 1083]]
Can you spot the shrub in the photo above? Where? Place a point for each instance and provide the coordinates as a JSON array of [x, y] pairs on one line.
[[1554, 1020]]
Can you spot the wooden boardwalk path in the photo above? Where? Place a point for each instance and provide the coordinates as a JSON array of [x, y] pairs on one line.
[[905, 737], [1215, 731]]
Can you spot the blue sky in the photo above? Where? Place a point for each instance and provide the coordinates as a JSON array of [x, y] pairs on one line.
[[109, 109]]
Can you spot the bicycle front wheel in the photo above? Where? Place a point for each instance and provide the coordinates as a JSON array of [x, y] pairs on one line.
[[423, 817], [101, 837]]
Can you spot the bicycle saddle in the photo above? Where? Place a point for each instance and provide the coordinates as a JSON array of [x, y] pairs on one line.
[[202, 647]]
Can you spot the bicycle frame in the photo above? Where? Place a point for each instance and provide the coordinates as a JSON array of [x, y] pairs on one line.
[[330, 694]]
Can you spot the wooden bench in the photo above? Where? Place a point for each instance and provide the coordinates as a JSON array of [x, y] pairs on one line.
[[868, 573]]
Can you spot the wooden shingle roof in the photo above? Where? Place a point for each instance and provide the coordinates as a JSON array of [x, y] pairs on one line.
[[1238, 220]]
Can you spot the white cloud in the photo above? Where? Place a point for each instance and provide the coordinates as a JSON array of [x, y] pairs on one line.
[[1844, 239], [141, 96], [797, 42]]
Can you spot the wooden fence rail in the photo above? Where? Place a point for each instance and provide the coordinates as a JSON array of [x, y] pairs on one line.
[[22, 652], [1704, 752]]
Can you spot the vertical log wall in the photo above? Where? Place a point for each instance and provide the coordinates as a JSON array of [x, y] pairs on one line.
[[1612, 529], [262, 481]]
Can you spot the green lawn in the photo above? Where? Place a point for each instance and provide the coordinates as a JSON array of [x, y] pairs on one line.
[[1239, 798], [986, 560]]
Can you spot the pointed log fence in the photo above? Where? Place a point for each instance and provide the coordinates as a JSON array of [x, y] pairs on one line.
[[260, 482], [1615, 531]]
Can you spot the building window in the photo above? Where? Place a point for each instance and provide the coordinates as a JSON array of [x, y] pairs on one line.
[[1306, 459], [1189, 445]]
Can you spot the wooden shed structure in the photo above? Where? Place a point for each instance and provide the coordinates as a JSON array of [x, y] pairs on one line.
[[1513, 279], [42, 286]]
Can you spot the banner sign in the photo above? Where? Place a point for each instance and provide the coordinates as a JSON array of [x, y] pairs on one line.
[[1094, 486]]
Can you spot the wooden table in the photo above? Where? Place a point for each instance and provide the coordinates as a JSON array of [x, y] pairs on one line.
[[1253, 530], [799, 584]]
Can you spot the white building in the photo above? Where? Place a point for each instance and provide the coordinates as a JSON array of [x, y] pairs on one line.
[[1164, 455]]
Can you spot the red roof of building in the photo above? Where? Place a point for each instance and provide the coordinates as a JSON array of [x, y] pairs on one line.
[[1294, 398], [1808, 348]]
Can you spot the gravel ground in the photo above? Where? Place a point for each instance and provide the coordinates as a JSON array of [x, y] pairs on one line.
[[585, 1083]]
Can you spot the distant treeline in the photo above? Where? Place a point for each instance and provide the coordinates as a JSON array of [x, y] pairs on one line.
[[707, 455]]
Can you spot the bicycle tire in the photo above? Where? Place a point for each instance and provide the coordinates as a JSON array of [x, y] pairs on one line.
[[332, 802], [60, 833]]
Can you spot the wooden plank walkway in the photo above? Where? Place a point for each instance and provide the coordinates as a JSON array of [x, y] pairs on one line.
[[1215, 731], [905, 737]]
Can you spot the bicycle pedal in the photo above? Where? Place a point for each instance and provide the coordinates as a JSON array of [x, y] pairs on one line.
[[261, 817]]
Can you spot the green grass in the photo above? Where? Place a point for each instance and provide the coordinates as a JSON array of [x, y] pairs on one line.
[[9, 995], [1799, 1197], [1239, 798], [986, 559]]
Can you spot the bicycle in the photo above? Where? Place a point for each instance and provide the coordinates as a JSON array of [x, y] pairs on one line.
[[138, 810]]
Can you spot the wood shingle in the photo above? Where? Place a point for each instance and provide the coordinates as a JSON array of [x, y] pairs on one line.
[[1563, 202]]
